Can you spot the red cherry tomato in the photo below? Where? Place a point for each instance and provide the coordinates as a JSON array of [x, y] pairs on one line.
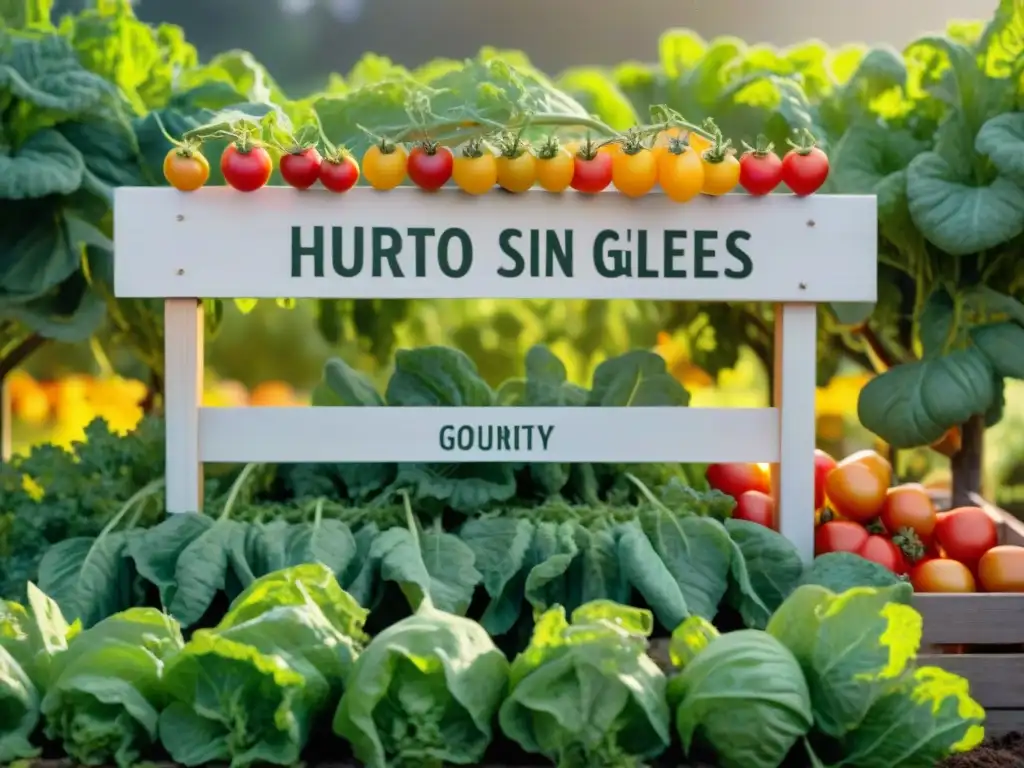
[[823, 464], [339, 174], [755, 507], [760, 170], [965, 534], [805, 170], [246, 169], [879, 549], [839, 536], [592, 175], [430, 165], [735, 479], [301, 169]]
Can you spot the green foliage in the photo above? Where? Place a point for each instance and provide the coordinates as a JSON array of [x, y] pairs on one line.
[[835, 672], [105, 693], [942, 154], [584, 692], [424, 692], [248, 690]]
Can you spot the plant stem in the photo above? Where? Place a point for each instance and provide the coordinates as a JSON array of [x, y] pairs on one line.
[[25, 348], [966, 464]]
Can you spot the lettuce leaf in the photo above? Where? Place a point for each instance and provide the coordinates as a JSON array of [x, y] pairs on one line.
[[107, 691], [584, 692], [249, 690], [744, 677], [424, 692], [31, 637]]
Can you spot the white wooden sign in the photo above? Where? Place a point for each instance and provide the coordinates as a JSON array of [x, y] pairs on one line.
[[408, 244], [218, 243]]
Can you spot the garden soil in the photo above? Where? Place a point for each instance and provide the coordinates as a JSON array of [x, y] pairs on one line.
[[1003, 752]]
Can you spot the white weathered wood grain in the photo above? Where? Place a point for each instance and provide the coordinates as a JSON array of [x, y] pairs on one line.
[[183, 397], [796, 351], [218, 243], [352, 434]]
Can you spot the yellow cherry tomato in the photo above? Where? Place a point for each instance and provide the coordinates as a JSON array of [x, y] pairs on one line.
[[634, 175], [555, 173], [720, 177], [680, 175], [517, 174], [475, 174], [384, 165], [698, 142], [186, 169]]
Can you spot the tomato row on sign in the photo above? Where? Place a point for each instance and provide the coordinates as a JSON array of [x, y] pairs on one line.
[[682, 166]]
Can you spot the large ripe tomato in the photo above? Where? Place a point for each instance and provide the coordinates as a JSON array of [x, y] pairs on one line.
[[186, 169], [909, 506], [965, 534], [592, 171], [430, 165], [634, 175], [1001, 569], [735, 479], [246, 167], [755, 507], [941, 575], [839, 536], [339, 173], [680, 172], [804, 169], [301, 169], [857, 486], [720, 176], [882, 550], [760, 170], [823, 464], [384, 165]]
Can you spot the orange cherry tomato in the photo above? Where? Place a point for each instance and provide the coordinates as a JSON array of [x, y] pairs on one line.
[[680, 172], [186, 169], [517, 172], [909, 506], [634, 175], [942, 575], [384, 165], [856, 488], [555, 171], [1001, 569], [965, 534]]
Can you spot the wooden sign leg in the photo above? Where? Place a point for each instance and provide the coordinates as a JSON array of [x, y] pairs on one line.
[[796, 351], [183, 396]]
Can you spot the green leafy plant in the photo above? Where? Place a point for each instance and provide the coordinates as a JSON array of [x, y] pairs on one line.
[[941, 151], [249, 689], [423, 693], [834, 676], [105, 692], [31, 637], [584, 692]]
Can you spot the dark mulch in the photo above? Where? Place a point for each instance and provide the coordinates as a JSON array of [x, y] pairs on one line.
[[1002, 752]]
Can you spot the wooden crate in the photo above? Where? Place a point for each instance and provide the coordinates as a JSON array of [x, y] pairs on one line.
[[981, 637]]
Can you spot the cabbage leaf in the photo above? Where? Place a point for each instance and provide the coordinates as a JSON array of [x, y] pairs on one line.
[[249, 690], [585, 693]]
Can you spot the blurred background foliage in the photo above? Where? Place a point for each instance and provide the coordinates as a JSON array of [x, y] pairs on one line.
[[313, 55]]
